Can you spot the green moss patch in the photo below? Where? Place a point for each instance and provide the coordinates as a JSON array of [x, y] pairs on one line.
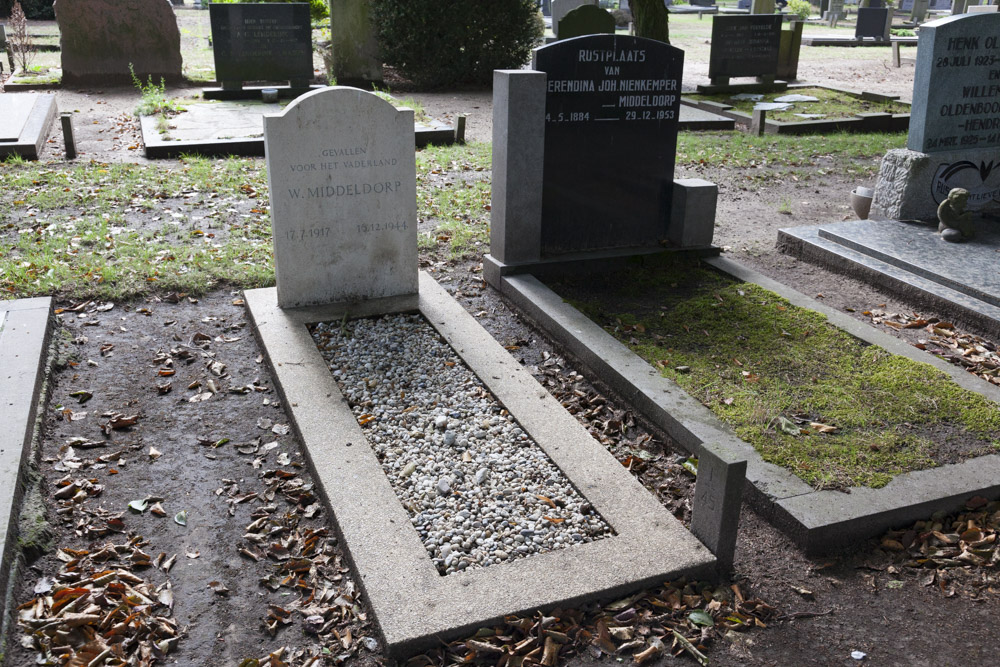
[[809, 397], [832, 104]]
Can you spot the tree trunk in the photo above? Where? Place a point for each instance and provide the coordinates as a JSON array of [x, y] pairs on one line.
[[651, 19]]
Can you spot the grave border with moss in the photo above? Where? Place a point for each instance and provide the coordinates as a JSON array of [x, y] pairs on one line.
[[787, 381], [862, 122], [819, 521]]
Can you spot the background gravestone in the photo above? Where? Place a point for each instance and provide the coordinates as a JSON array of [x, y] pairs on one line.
[[611, 109], [562, 7], [342, 178], [261, 42], [99, 39], [355, 50], [586, 20], [954, 137], [873, 22], [744, 46]]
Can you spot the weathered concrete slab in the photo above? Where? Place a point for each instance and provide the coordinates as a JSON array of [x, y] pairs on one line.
[[693, 118], [957, 279], [413, 604], [237, 128], [25, 122], [834, 40], [819, 521], [24, 331]]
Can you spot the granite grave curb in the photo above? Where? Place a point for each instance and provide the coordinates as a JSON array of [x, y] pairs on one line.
[[818, 521], [414, 605], [33, 123], [838, 247], [24, 336], [252, 145], [862, 122]]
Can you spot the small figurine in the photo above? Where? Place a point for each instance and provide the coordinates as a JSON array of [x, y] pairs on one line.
[[955, 223]]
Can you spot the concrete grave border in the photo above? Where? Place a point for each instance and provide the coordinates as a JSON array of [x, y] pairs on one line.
[[24, 339], [35, 131], [415, 606], [425, 133], [865, 122], [819, 521]]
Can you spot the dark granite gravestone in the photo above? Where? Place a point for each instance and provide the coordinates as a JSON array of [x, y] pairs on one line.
[[907, 6], [262, 42], [872, 22], [744, 46], [743, 4], [611, 110], [877, 4], [586, 20], [703, 3], [940, 5]]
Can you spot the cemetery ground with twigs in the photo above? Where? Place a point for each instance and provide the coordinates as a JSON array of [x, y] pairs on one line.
[[170, 485]]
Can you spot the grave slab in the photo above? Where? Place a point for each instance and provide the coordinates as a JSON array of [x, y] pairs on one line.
[[414, 605], [26, 121], [819, 521], [957, 279], [24, 332], [237, 128]]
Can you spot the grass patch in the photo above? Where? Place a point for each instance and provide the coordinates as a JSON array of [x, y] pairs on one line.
[[809, 397], [739, 150], [115, 231], [831, 103], [453, 194]]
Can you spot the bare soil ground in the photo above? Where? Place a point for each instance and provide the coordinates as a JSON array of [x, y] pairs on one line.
[[862, 600]]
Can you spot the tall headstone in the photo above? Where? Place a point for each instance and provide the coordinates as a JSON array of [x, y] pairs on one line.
[[873, 23], [342, 178], [586, 20], [261, 42], [744, 46], [562, 7], [835, 12], [958, 6], [355, 50], [919, 12], [762, 7], [611, 112], [100, 39], [954, 137]]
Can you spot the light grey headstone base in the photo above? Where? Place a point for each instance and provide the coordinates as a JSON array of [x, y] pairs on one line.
[[24, 335], [692, 218], [911, 184], [414, 605]]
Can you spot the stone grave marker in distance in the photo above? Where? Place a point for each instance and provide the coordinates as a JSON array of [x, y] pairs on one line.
[[744, 46], [342, 178]]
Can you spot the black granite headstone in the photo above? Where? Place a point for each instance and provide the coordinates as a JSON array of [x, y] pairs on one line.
[[907, 6], [876, 4], [611, 111], [744, 45], [703, 3], [871, 22], [743, 4], [262, 42]]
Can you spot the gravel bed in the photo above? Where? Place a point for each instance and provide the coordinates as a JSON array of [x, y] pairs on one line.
[[478, 489]]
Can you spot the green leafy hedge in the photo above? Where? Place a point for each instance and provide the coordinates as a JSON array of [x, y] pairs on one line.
[[34, 10], [451, 42]]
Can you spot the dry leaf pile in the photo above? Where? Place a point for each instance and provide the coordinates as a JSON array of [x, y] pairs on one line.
[[974, 353], [317, 588], [677, 618], [96, 611], [958, 550]]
